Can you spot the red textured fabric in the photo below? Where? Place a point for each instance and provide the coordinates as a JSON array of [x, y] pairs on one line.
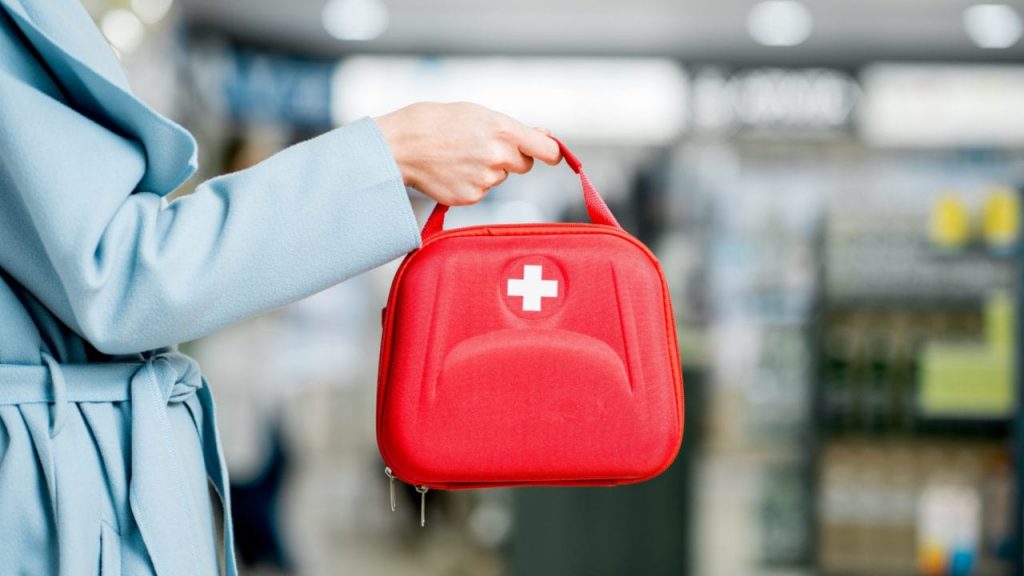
[[539, 354]]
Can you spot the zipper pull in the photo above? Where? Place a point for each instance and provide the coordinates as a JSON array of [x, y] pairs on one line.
[[423, 504], [391, 482]]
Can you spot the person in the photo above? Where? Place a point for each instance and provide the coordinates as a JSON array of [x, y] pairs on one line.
[[108, 441]]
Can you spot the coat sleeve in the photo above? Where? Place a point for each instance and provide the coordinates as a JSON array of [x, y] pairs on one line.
[[129, 271]]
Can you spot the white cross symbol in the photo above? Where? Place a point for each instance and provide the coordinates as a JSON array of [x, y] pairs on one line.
[[532, 287]]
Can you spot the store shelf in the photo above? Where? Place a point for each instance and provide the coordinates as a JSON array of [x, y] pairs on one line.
[[878, 454]]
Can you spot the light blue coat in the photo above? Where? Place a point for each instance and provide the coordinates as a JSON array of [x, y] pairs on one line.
[[107, 433]]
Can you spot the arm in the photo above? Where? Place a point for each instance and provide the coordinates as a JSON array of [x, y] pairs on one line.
[[129, 271]]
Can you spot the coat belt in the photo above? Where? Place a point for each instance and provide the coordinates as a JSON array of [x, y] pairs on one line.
[[165, 378]]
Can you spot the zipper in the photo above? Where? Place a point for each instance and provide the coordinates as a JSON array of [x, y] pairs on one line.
[[423, 504], [391, 485], [422, 490]]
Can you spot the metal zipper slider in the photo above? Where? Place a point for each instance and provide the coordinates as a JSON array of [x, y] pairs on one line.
[[423, 504], [391, 482]]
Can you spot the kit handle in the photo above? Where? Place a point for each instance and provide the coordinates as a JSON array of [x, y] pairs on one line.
[[596, 208]]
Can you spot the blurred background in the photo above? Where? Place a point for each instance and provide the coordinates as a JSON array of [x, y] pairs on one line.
[[833, 189]]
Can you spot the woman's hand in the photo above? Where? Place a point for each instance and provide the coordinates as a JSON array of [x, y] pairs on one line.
[[455, 153]]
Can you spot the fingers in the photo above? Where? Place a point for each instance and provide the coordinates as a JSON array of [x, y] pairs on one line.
[[464, 195], [539, 144], [494, 178], [519, 163]]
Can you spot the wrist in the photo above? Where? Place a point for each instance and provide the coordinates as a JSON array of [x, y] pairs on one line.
[[391, 128]]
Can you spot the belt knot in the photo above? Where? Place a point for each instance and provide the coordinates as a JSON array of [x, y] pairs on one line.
[[177, 376]]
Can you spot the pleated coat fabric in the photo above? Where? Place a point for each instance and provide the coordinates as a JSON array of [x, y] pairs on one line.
[[108, 444]]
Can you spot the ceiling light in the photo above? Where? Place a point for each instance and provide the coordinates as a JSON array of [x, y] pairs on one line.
[[992, 25], [355, 19], [123, 30], [779, 22], [151, 11]]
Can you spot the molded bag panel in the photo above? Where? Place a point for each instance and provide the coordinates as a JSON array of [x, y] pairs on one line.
[[534, 354]]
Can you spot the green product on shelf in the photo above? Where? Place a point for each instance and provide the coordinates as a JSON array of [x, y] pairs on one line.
[[999, 322], [965, 380], [971, 380]]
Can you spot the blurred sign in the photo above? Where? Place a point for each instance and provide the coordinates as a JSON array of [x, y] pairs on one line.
[[943, 105], [619, 100], [780, 99], [256, 86]]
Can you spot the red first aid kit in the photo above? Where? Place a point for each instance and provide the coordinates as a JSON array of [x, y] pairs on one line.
[[529, 354]]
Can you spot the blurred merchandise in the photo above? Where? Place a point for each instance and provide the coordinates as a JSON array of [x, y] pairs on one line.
[[784, 507], [950, 225], [881, 255], [953, 226], [948, 529], [917, 375], [756, 494], [903, 506], [968, 379], [1002, 218]]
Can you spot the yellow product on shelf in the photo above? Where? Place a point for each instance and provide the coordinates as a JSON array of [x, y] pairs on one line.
[[1001, 221], [950, 226]]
